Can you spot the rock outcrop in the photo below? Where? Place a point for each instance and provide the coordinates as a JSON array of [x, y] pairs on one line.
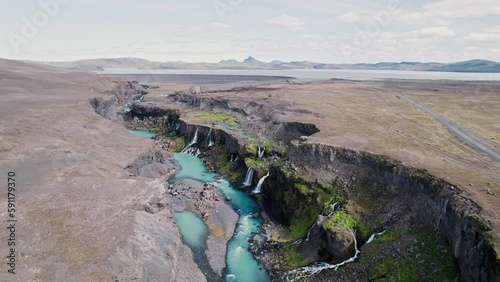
[[111, 106], [153, 164]]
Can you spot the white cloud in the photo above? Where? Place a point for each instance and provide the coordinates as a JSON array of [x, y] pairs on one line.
[[286, 21], [435, 31], [217, 25], [462, 8], [491, 34], [349, 17]]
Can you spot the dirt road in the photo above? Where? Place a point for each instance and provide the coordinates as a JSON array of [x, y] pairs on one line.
[[456, 130]]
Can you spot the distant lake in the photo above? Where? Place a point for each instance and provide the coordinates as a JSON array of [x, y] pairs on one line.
[[314, 74]]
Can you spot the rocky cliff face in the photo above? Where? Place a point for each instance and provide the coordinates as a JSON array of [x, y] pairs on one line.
[[220, 137], [142, 111], [289, 131], [112, 105], [456, 217], [261, 114]]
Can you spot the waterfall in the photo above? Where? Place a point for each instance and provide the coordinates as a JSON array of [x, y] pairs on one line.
[[302, 239], [195, 139], [189, 151], [315, 268], [210, 143], [375, 235], [333, 210], [177, 125], [198, 152], [260, 153], [231, 159], [248, 178], [258, 189], [309, 232]]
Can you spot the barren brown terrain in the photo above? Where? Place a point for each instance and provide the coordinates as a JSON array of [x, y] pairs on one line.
[[80, 215]]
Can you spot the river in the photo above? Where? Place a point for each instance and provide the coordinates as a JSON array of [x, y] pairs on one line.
[[241, 266]]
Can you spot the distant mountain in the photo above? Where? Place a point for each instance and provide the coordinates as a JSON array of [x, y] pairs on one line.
[[471, 66], [252, 63], [229, 62], [251, 60]]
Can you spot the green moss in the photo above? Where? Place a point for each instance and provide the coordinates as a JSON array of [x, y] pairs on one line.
[[302, 188], [212, 117], [381, 269], [252, 149], [390, 235], [339, 217], [294, 259], [259, 165], [268, 145], [304, 203], [179, 144], [226, 168], [429, 261], [156, 129], [298, 228]]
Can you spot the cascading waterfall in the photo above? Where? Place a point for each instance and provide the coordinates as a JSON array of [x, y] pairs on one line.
[[177, 125], [189, 151], [234, 160], [258, 189], [195, 139], [210, 143], [198, 152], [260, 153], [317, 267], [333, 210], [248, 178], [309, 232], [375, 235], [231, 158]]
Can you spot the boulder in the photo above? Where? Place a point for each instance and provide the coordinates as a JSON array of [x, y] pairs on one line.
[[340, 242]]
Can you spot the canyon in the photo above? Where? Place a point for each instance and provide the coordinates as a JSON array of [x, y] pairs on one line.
[[331, 167]]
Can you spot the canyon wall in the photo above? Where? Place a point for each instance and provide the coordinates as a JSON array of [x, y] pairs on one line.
[[456, 217]]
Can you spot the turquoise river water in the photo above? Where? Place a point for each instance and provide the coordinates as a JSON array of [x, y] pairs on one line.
[[241, 266], [143, 133]]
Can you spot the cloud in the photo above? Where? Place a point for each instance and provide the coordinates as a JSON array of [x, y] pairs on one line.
[[491, 34], [286, 21], [435, 31], [217, 25], [349, 17], [462, 8]]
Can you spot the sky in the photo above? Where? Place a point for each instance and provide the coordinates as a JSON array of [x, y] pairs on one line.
[[327, 31]]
